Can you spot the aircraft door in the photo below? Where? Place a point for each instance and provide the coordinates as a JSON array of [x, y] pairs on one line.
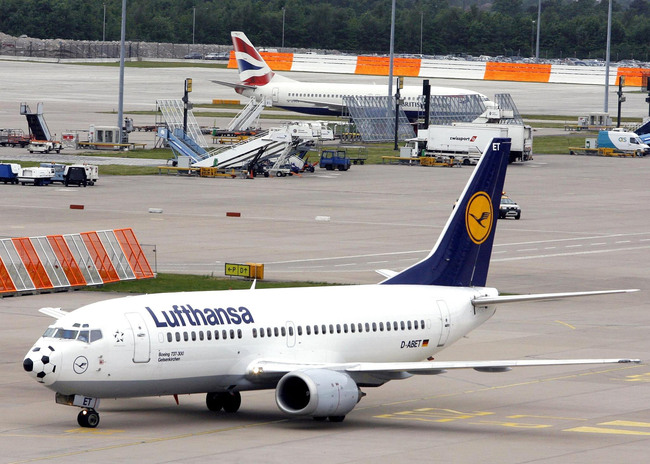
[[276, 94], [445, 319], [141, 342], [291, 334]]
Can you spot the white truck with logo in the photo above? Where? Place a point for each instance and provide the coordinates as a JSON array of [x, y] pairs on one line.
[[466, 141]]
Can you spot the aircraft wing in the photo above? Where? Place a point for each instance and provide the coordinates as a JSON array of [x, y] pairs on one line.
[[320, 104], [394, 370]]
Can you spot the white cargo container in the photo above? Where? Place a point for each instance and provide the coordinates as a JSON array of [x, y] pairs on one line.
[[36, 176]]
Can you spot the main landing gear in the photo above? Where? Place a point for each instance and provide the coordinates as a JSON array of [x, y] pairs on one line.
[[228, 401], [88, 418]]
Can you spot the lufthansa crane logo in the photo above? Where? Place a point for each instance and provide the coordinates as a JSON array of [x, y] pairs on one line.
[[478, 217]]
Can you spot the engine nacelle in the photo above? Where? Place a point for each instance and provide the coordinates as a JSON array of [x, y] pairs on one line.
[[317, 392]]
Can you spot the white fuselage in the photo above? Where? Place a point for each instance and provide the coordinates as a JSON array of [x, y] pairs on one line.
[[205, 341], [327, 99]]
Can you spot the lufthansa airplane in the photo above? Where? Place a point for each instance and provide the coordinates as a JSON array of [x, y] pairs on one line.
[[318, 98], [317, 347]]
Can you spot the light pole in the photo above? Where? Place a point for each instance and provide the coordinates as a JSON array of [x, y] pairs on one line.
[[193, 22], [532, 33], [539, 22], [421, 30], [607, 54], [104, 25], [283, 13], [120, 103]]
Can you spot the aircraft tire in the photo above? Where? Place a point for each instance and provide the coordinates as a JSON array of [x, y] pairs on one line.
[[231, 402], [214, 402], [88, 418]]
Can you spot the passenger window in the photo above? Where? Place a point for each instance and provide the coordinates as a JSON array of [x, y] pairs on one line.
[[388, 326], [185, 336], [408, 324], [345, 328], [254, 333], [193, 336], [276, 332], [232, 334], [268, 332], [169, 337], [201, 335], [360, 327], [331, 328], [283, 331], [308, 329], [178, 336], [374, 327], [352, 328], [209, 335], [367, 327], [395, 326], [261, 333], [224, 334], [216, 335], [402, 325], [338, 328], [315, 330], [381, 326], [323, 329], [291, 331], [299, 330], [239, 333], [415, 325]]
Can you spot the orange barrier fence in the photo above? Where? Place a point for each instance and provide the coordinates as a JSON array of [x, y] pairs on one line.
[[413, 67], [30, 264]]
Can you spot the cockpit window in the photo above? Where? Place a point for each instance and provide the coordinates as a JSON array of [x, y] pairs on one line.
[[86, 336]]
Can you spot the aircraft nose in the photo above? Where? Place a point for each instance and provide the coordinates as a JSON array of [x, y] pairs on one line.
[[42, 362]]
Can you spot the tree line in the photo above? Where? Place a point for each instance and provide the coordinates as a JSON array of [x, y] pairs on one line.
[[432, 27]]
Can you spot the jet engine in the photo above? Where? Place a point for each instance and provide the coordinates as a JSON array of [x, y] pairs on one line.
[[319, 393]]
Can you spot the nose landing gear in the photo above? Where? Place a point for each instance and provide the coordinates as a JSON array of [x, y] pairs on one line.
[[88, 418]]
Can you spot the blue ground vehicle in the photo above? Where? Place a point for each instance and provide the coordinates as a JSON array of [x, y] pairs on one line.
[[9, 173], [335, 159]]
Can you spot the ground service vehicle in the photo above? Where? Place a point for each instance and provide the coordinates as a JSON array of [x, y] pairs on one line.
[[44, 146], [508, 208], [334, 159], [9, 173]]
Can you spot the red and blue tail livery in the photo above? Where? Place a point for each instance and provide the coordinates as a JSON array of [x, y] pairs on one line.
[[253, 70]]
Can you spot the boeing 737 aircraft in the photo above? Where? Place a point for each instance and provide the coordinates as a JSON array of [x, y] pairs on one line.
[[319, 98], [317, 347]]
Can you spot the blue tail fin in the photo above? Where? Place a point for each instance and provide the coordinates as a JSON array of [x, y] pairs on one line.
[[461, 257]]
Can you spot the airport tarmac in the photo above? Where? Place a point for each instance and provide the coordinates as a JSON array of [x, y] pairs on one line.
[[584, 226]]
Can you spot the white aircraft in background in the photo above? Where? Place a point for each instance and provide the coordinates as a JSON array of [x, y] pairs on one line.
[[317, 347], [318, 98]]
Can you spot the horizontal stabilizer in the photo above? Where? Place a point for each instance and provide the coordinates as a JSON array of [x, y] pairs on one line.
[[386, 272], [236, 86], [56, 313], [487, 301]]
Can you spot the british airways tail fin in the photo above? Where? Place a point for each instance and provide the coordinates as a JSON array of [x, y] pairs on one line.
[[461, 257], [253, 70]]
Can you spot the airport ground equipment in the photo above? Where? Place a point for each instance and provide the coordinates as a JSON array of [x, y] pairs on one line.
[[13, 137], [616, 142], [44, 146], [9, 173], [246, 118], [292, 160], [182, 144], [173, 116], [334, 160], [59, 171], [36, 176], [75, 175]]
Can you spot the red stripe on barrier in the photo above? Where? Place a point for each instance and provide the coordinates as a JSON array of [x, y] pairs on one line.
[[32, 262], [68, 264], [99, 256], [6, 284], [134, 254]]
